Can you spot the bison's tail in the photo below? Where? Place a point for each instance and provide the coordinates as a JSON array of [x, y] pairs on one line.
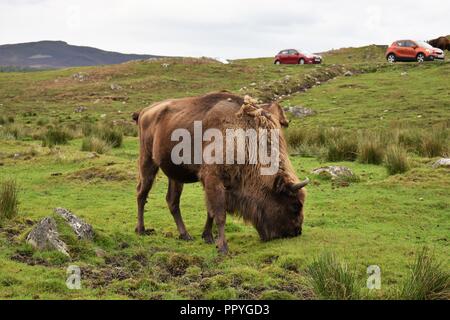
[[135, 116]]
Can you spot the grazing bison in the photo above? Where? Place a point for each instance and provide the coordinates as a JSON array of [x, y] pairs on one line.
[[442, 43], [272, 203]]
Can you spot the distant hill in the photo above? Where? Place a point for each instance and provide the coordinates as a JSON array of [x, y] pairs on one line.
[[59, 54]]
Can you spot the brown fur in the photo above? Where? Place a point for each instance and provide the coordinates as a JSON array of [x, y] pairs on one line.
[[442, 43], [270, 203]]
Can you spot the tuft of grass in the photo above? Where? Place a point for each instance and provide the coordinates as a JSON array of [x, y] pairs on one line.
[[370, 149], [95, 144], [428, 280], [332, 279], [8, 199], [55, 136], [396, 160], [113, 137], [295, 137], [342, 148], [42, 121], [13, 131], [434, 143]]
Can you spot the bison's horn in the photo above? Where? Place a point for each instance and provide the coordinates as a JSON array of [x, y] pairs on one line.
[[298, 186]]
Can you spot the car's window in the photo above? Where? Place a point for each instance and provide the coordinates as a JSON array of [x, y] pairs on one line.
[[284, 52], [293, 51], [401, 43], [410, 44], [423, 44]]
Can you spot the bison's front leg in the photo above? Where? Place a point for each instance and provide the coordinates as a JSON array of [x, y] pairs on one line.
[[215, 202], [207, 234]]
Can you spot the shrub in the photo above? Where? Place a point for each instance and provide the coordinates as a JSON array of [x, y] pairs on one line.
[[95, 144], [295, 137], [55, 136], [342, 148], [128, 129], [396, 160], [370, 149], [8, 199], [428, 279], [434, 143], [332, 279], [112, 136], [87, 128], [410, 139], [42, 121], [14, 131]]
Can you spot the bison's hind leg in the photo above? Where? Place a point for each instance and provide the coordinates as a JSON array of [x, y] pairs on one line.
[[147, 173], [173, 202]]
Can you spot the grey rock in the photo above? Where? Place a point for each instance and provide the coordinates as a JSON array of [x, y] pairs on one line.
[[45, 236], [80, 109], [443, 162], [80, 76], [348, 73], [82, 229], [115, 87], [333, 171], [300, 112]]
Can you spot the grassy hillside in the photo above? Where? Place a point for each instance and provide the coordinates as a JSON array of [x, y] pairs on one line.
[[379, 219]]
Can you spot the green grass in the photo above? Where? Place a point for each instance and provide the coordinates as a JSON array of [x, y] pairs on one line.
[[428, 279], [333, 279], [397, 160], [382, 219], [8, 200]]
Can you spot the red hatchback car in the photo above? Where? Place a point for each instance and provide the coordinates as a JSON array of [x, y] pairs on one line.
[[292, 56], [408, 50]]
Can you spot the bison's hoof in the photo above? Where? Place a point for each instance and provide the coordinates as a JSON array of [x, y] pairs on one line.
[[186, 237], [208, 237], [144, 232], [223, 250]]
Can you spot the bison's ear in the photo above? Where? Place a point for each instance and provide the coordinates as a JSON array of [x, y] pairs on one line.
[[279, 184]]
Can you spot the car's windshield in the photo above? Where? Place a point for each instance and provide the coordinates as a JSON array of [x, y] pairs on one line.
[[423, 44]]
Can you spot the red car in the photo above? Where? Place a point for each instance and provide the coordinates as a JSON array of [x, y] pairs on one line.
[[292, 56], [408, 50]]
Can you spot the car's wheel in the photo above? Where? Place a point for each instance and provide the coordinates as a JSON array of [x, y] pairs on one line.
[[420, 58], [301, 61], [391, 58], [277, 62]]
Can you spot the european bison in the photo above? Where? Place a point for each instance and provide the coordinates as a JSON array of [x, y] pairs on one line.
[[273, 203], [442, 43]]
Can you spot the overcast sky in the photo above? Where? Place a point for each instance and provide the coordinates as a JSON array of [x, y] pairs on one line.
[[229, 29]]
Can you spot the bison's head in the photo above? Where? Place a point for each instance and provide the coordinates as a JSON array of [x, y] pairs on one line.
[[281, 214]]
